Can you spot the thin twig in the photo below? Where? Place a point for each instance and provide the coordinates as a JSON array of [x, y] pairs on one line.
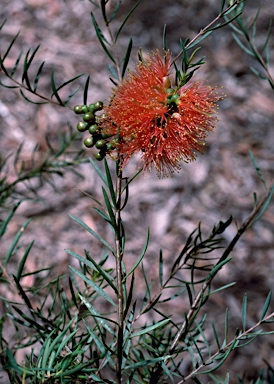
[[119, 272], [198, 299], [226, 347], [205, 29]]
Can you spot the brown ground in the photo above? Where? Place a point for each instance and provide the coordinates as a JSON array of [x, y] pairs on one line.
[[219, 184]]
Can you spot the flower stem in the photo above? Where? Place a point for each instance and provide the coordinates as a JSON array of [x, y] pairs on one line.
[[119, 275]]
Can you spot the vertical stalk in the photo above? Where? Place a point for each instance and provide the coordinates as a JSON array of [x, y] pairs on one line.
[[119, 275]]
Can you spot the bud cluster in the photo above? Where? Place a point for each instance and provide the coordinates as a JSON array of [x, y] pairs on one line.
[[90, 122]]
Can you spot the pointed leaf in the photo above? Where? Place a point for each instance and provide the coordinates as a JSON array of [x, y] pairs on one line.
[[140, 257], [31, 101], [244, 305], [101, 38], [126, 58], [5, 223], [126, 18], [10, 46], [37, 77], [266, 305], [54, 89], [15, 241], [85, 94], [100, 345], [146, 362], [96, 287], [110, 183], [150, 328], [113, 72], [92, 233], [110, 211], [98, 316], [23, 261], [92, 264], [99, 172]]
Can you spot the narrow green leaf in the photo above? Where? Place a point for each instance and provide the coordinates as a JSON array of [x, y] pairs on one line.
[[101, 319], [25, 72], [85, 94], [23, 261], [31, 101], [103, 9], [100, 345], [113, 15], [99, 172], [130, 295], [103, 215], [6, 222], [92, 264], [257, 168], [69, 81], [105, 275], [224, 357], [216, 337], [101, 38], [126, 58], [9, 47], [266, 305], [113, 72], [217, 267], [45, 353], [140, 257], [205, 35], [265, 205], [110, 211], [125, 19], [3, 23], [164, 39], [15, 242], [222, 288], [23, 294], [54, 89], [152, 303], [65, 341], [8, 86], [110, 183], [241, 45], [92, 233], [70, 96], [244, 305], [37, 77], [161, 268], [146, 362], [96, 287], [150, 328]]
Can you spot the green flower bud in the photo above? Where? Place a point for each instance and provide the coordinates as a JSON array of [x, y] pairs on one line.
[[100, 155], [89, 142], [77, 109], [110, 146], [93, 128], [105, 136], [98, 106], [89, 117], [170, 91], [100, 144], [174, 99], [84, 108], [82, 126], [91, 107]]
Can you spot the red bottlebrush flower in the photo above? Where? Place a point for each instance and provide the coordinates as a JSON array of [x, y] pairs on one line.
[[167, 125]]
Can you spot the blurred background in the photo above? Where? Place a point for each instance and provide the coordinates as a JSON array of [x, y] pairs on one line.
[[220, 183]]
